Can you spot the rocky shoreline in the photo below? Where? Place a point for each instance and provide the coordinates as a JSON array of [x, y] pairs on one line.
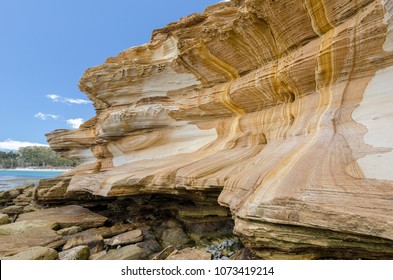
[[31, 230]]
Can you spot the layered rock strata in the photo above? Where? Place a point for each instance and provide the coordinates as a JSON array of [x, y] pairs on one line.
[[278, 111]]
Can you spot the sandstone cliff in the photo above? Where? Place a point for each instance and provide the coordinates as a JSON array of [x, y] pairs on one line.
[[275, 113]]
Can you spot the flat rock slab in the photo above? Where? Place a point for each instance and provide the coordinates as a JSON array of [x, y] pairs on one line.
[[35, 253], [189, 254], [65, 217], [130, 252], [108, 232], [94, 241], [129, 237], [19, 236]]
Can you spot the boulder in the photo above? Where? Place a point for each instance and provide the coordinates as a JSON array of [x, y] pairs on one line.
[[4, 219], [35, 253], [77, 253]]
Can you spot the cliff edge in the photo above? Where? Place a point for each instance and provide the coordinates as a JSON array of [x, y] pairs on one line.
[[275, 114]]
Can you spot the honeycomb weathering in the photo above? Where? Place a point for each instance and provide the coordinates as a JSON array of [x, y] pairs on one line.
[[282, 109]]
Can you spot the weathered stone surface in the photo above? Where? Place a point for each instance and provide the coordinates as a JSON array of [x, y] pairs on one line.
[[35, 253], [19, 236], [130, 252], [37, 228], [94, 241], [13, 209], [98, 255], [108, 232], [276, 110], [66, 216], [69, 231], [4, 219], [129, 237], [76, 253], [189, 254]]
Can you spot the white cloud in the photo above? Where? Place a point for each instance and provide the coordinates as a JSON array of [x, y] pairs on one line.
[[54, 97], [75, 123], [57, 98], [45, 117], [10, 144], [76, 101]]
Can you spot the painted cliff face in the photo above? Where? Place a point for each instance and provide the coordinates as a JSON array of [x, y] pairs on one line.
[[283, 107]]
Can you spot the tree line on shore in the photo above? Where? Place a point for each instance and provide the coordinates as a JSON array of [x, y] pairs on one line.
[[34, 156]]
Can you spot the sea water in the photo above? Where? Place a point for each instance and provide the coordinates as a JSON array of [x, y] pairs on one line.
[[13, 177]]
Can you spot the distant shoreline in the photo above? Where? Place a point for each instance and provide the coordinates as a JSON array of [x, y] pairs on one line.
[[36, 169]]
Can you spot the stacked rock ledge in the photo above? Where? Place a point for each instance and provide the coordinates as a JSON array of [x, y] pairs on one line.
[[261, 119]]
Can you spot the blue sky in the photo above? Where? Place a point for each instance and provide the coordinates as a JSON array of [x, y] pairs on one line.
[[46, 45]]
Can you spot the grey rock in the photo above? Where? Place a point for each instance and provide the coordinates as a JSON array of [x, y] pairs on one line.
[[76, 253], [175, 237], [150, 246]]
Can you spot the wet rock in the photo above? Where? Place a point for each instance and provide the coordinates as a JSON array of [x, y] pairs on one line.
[[130, 252], [129, 237], [4, 219], [94, 241], [69, 231], [76, 253], [35, 253], [189, 254]]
